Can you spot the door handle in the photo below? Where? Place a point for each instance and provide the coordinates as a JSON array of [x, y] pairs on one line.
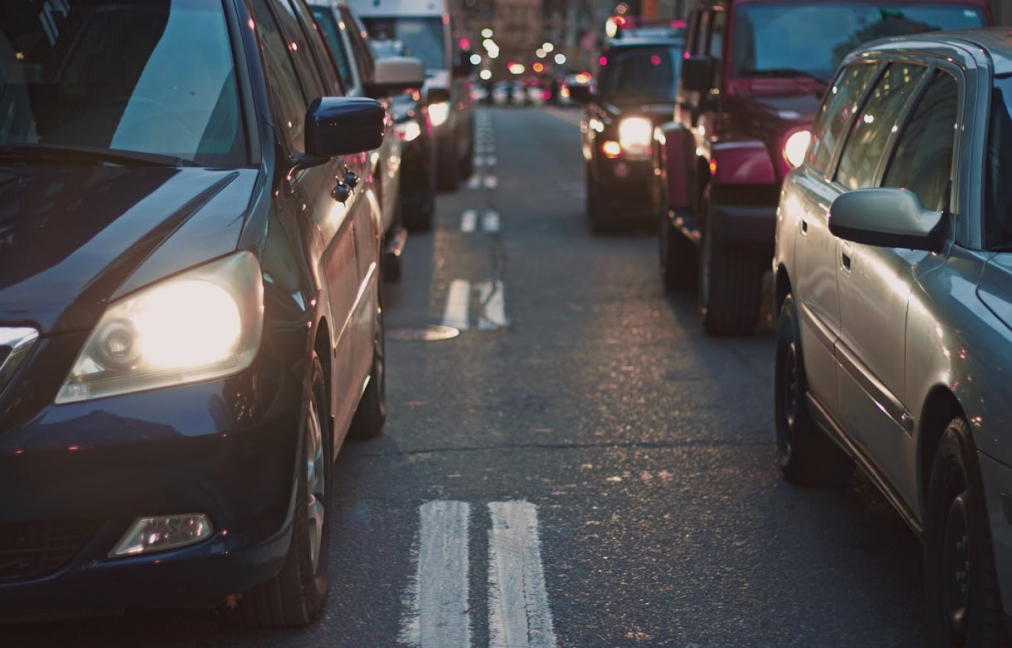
[[846, 260], [804, 226]]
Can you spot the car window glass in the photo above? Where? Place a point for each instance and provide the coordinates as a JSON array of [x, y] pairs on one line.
[[840, 102], [363, 55], [302, 58], [284, 85], [998, 166], [332, 32], [641, 74], [319, 50], [422, 37], [702, 31], [154, 78], [870, 131], [716, 44], [922, 162]]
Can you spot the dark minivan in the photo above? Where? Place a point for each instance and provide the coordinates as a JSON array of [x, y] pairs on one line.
[[190, 318]]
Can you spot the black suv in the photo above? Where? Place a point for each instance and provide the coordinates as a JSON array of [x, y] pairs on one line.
[[634, 92]]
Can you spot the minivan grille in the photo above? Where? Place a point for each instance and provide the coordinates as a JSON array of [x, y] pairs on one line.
[[38, 549]]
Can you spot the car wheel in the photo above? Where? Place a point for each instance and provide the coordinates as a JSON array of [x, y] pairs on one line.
[[598, 211], [467, 163], [806, 455], [419, 218], [294, 596], [371, 414], [448, 166], [678, 257], [963, 601], [730, 283]]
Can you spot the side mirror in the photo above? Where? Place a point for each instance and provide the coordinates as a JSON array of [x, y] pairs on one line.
[[343, 126], [886, 217], [583, 94], [697, 73], [394, 75], [437, 95]]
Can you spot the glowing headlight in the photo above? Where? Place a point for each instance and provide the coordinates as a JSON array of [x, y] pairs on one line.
[[796, 146], [408, 131], [439, 112], [634, 134], [200, 325]]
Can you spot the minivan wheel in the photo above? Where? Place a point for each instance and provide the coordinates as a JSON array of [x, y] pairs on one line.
[[371, 414], [447, 166], [730, 283], [807, 456], [961, 584], [295, 596], [599, 215]]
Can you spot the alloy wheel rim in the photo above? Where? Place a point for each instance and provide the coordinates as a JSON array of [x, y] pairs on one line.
[[956, 564], [315, 484]]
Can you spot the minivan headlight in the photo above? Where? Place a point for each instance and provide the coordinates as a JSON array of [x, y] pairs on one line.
[[634, 134], [203, 324], [439, 112]]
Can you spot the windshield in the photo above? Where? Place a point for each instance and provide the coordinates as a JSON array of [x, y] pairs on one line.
[[815, 37], [420, 37], [153, 77], [641, 74]]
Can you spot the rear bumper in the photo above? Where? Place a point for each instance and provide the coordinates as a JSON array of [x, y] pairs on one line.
[[627, 186]]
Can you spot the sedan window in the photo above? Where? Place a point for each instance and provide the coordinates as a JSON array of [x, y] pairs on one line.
[[835, 112], [998, 167], [641, 74], [145, 77]]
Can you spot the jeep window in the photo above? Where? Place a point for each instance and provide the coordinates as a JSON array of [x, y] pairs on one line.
[[154, 78], [328, 24], [840, 103], [641, 74], [922, 162], [814, 37], [422, 37], [715, 48], [998, 167], [870, 133]]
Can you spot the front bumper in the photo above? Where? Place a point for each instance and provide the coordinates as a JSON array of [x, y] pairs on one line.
[[73, 478], [627, 185]]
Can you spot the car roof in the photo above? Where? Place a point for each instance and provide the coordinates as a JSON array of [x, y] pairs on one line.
[[995, 42]]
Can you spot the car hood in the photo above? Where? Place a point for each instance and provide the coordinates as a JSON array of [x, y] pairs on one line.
[[72, 237]]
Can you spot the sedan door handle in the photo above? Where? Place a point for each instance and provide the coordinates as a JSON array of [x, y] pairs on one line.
[[846, 260], [804, 226]]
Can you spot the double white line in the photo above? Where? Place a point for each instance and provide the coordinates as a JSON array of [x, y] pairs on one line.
[[489, 221], [492, 300], [437, 603]]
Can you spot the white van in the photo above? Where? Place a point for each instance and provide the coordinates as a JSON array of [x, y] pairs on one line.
[[425, 28]]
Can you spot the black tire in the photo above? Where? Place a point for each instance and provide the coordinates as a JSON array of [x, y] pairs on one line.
[[730, 283], [467, 164], [297, 594], [447, 166], [599, 214], [371, 414], [678, 257], [806, 455], [963, 601]]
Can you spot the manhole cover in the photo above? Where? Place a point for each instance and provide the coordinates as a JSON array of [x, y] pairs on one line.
[[430, 333]]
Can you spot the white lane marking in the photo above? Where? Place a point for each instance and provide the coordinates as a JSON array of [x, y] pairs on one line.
[[492, 296], [437, 602], [519, 615], [491, 182], [479, 161], [490, 222], [474, 182], [468, 220], [458, 305], [491, 160]]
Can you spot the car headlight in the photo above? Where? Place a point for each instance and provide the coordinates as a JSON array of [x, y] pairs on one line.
[[202, 324], [408, 131], [439, 112], [634, 134], [796, 146]]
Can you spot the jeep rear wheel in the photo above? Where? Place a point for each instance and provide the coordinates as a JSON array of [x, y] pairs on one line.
[[678, 257]]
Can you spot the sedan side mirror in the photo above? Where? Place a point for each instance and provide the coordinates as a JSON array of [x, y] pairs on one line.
[[697, 73], [394, 75], [343, 126], [886, 217]]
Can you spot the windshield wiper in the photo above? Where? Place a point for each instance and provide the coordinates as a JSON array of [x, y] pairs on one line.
[[787, 72], [85, 155]]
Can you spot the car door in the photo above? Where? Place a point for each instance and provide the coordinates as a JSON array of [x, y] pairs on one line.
[[816, 249], [876, 284], [305, 195]]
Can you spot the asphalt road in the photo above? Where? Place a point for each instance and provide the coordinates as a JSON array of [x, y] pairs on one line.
[[580, 467]]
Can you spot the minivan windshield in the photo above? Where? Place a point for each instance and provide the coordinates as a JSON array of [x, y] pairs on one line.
[[812, 38], [639, 74], [151, 77], [420, 37]]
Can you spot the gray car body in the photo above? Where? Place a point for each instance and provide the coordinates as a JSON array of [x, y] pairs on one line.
[[902, 340]]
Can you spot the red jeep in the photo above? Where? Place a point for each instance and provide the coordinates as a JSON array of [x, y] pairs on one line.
[[752, 77]]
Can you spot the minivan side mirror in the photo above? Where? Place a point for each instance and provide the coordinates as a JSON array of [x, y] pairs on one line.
[[394, 75], [697, 73], [886, 217], [343, 126]]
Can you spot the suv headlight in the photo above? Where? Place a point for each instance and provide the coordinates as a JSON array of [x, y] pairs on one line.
[[634, 135], [203, 324], [439, 112], [795, 147]]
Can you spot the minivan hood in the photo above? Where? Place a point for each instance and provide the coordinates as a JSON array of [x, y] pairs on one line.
[[72, 236]]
